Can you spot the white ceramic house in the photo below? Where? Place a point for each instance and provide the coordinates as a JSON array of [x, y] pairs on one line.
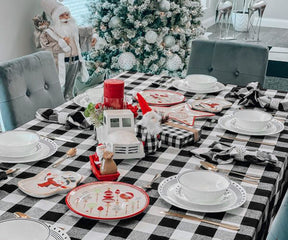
[[118, 134]]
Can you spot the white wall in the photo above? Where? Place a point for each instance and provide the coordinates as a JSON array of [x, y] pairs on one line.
[[16, 27], [275, 14]]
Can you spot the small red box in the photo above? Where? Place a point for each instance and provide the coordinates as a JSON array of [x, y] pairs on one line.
[[95, 167]]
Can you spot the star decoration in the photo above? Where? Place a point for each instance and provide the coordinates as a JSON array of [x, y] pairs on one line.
[[182, 113]]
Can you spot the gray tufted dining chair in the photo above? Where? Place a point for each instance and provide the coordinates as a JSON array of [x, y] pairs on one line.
[[26, 84], [230, 62]]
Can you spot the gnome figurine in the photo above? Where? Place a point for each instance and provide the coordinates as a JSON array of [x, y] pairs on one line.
[[151, 120], [149, 127]]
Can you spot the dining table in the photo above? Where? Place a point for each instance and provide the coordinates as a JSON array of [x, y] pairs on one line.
[[253, 217]]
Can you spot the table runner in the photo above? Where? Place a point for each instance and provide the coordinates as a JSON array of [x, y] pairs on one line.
[[254, 216]]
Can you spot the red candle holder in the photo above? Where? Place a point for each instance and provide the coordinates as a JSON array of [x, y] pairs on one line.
[[114, 93]]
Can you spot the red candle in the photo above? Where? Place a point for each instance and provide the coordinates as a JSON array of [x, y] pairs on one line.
[[114, 93]]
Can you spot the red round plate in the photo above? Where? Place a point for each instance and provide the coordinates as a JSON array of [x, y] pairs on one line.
[[158, 97], [107, 200]]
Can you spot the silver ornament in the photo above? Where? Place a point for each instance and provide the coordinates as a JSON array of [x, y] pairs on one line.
[[173, 63], [151, 36], [126, 61], [114, 22], [164, 6], [169, 41], [100, 44]]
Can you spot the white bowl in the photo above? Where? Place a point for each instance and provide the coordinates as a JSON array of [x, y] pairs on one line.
[[200, 81], [252, 120], [23, 229], [202, 186], [18, 142]]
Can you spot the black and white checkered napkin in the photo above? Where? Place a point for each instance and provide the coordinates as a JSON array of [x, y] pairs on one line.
[[251, 96], [70, 120], [222, 153]]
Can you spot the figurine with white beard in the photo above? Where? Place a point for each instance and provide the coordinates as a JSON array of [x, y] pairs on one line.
[[62, 39]]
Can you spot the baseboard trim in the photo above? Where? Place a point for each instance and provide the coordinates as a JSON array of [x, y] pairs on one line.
[[273, 22]]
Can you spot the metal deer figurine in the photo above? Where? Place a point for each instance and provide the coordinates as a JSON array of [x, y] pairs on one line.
[[223, 12], [256, 6]]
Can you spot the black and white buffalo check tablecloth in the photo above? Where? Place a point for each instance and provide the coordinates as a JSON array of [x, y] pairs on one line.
[[253, 217]]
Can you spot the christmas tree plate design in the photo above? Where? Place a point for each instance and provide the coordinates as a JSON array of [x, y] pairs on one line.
[[162, 97], [49, 182], [107, 200]]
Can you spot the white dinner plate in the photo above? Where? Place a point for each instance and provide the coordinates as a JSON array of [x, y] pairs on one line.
[[182, 85], [48, 148], [93, 95], [228, 122], [57, 234], [36, 150], [169, 191]]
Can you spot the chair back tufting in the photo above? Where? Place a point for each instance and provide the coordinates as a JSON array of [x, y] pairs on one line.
[[230, 62], [26, 84]]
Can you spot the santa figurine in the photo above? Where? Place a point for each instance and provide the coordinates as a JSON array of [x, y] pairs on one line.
[[62, 39], [100, 149], [151, 119]]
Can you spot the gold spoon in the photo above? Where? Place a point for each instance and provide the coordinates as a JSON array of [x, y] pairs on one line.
[[148, 186], [70, 153]]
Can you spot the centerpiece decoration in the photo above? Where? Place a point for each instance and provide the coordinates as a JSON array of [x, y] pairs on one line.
[[113, 121]]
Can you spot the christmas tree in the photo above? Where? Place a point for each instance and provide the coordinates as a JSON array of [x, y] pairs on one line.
[[150, 36]]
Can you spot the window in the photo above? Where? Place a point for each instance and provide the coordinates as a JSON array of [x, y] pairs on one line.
[[114, 122], [79, 10], [126, 122], [204, 4]]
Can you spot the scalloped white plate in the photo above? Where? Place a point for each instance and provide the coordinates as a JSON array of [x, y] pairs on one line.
[[47, 149], [182, 85], [228, 122], [169, 192], [93, 95], [57, 234]]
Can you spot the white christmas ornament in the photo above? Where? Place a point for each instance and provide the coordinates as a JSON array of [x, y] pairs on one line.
[[169, 41], [126, 61], [164, 6], [173, 63], [114, 22], [100, 44], [151, 36]]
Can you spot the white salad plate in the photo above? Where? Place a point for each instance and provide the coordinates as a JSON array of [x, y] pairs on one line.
[[171, 192], [47, 148], [228, 122], [24, 229], [183, 85], [57, 234], [93, 95]]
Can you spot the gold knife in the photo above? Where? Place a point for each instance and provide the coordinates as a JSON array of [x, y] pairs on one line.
[[224, 225]]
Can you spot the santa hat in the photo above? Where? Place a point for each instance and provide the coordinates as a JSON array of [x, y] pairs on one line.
[[54, 8], [143, 104]]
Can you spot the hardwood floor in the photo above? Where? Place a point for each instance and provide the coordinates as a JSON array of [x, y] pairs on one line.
[[276, 37]]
